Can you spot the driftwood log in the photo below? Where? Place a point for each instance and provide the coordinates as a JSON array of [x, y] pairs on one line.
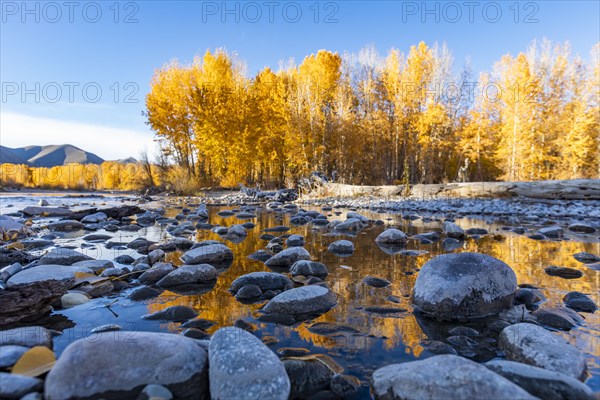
[[579, 189], [24, 302]]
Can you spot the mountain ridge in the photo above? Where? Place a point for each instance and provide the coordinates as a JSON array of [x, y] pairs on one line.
[[49, 156]]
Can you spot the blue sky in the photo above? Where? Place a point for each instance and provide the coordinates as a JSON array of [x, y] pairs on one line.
[[54, 57]]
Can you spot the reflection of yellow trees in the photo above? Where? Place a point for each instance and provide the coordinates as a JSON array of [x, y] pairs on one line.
[[527, 257]]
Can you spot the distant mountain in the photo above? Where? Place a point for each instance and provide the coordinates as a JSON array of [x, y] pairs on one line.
[[128, 160], [8, 156], [48, 156]]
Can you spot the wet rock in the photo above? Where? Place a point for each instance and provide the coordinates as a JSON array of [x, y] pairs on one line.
[[295, 241], [208, 254], [537, 236], [241, 366], [545, 384], [29, 336], [477, 231], [247, 326], [155, 256], [392, 236], [226, 213], [534, 345], [341, 247], [173, 313], [309, 268], [303, 300], [143, 293], [65, 225], [579, 302], [260, 255], [94, 265], [73, 299], [173, 361], [237, 230], [287, 257], [106, 328], [349, 225], [112, 272], [16, 386], [277, 229], [464, 286], [292, 351], [443, 377], [62, 256], [94, 218], [376, 282], [464, 331], [307, 377], [47, 211], [139, 243], [452, 230], [332, 329], [199, 323], [248, 292], [189, 275], [553, 232], [46, 273], [155, 392], [437, 347], [344, 386], [36, 243], [264, 280], [586, 258], [195, 333], [558, 317], [528, 296], [563, 272], [10, 354], [360, 217], [156, 273], [125, 259], [275, 246], [581, 228]]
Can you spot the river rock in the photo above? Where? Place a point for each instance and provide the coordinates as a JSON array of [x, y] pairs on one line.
[[94, 218], [46, 273], [349, 225], [392, 236], [341, 247], [545, 384], [309, 268], [295, 241], [303, 300], [464, 286], [10, 354], [173, 361], [143, 293], [452, 230], [155, 256], [344, 386], [29, 336], [558, 317], [189, 275], [124, 259], [155, 392], [443, 377], [237, 230], [209, 254], [260, 255], [579, 302], [94, 265], [307, 377], [65, 225], [173, 313], [581, 228], [242, 367], [139, 243], [553, 232], [9, 224], [586, 258], [563, 272], [62, 256], [264, 280], [15, 386], [156, 273], [287, 257], [532, 344], [376, 282], [73, 299]]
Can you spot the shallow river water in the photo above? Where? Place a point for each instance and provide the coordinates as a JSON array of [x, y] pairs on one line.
[[382, 339]]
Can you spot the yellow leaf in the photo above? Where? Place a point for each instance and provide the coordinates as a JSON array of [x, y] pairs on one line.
[[35, 362], [15, 246], [85, 278]]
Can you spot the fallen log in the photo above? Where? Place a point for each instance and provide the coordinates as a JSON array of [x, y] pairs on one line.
[[34, 300], [578, 189]]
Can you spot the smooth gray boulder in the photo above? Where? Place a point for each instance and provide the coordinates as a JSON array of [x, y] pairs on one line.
[[29, 336], [309, 268], [452, 230], [443, 377], [242, 367], [391, 236], [295, 241], [62, 256], [464, 286], [65, 225], [586, 258], [9, 354], [156, 273], [287, 257], [310, 299], [545, 384], [13, 386], [264, 280], [173, 313], [208, 254], [95, 265], [558, 317], [237, 230], [46, 273], [94, 218], [579, 302], [349, 225], [553, 232], [9, 224], [189, 275], [341, 247], [86, 369], [531, 344]]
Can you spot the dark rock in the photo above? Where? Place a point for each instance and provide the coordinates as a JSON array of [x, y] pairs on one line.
[[376, 282], [586, 258], [144, 293], [264, 280], [563, 272], [309, 268], [344, 386], [307, 377], [303, 300], [558, 317], [173, 313], [579, 302]]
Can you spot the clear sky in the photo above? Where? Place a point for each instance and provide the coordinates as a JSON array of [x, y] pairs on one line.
[[78, 71]]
